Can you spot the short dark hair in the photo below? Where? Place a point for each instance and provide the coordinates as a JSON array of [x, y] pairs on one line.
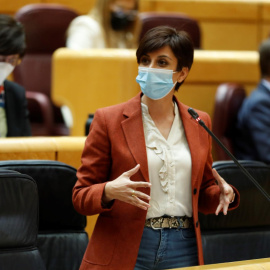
[[12, 36], [179, 42], [264, 51]]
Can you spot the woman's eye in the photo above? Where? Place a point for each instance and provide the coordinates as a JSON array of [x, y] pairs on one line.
[[144, 61], [162, 63]]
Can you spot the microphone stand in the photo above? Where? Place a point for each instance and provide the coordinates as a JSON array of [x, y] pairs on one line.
[[195, 115]]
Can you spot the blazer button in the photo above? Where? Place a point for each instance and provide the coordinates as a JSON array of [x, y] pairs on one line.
[[194, 191]]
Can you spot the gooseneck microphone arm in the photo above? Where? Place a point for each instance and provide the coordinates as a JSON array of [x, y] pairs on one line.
[[194, 115]]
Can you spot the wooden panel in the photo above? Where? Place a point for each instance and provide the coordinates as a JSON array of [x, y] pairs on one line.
[[27, 144], [24, 155], [259, 264], [10, 7], [107, 77], [81, 6], [265, 11], [26, 148], [97, 75], [91, 222], [225, 24], [69, 150], [207, 9], [225, 35], [265, 31]]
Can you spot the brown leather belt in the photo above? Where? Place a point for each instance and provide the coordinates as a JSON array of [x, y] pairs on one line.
[[169, 222]]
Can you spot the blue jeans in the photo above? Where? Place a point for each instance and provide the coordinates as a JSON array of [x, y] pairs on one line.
[[167, 248]]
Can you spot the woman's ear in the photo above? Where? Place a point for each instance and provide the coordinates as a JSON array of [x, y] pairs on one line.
[[183, 74]]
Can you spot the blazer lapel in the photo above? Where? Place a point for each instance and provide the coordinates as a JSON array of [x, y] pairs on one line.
[[134, 134], [192, 132]]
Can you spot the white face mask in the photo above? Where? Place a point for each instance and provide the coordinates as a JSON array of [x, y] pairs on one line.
[[155, 83], [5, 70]]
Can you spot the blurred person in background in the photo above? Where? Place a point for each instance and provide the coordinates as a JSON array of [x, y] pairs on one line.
[[14, 120], [110, 24], [252, 140]]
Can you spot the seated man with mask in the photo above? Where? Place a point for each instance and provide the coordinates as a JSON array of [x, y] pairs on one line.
[[14, 120]]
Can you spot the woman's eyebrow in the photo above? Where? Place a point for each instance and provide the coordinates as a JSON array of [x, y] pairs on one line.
[[166, 56]]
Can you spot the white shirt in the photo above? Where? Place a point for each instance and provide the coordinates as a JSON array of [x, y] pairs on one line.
[[266, 84], [85, 33], [169, 165]]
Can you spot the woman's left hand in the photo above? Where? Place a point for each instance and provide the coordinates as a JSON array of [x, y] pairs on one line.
[[226, 194]]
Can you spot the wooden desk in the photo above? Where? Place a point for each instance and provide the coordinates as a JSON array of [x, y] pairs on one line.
[[90, 79], [259, 264]]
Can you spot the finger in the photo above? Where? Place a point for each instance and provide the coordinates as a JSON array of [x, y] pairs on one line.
[[132, 171], [139, 203], [141, 195], [220, 206], [136, 185], [225, 208], [217, 176]]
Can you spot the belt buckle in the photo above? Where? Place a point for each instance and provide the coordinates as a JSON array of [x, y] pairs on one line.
[[152, 226]]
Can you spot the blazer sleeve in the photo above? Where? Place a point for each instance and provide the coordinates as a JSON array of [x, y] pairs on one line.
[[95, 169]]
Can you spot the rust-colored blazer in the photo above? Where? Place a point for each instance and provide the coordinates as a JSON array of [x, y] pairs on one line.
[[114, 145]]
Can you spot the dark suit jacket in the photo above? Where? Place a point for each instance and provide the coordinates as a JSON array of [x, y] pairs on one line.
[[115, 144], [16, 110], [252, 140]]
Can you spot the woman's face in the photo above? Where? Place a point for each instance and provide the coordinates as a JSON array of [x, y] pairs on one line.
[[161, 58], [164, 58]]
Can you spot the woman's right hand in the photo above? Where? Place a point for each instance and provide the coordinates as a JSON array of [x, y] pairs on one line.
[[125, 190]]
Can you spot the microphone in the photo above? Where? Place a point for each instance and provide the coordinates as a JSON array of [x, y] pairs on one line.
[[195, 115]]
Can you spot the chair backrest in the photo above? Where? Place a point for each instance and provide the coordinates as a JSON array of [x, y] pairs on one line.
[[18, 222], [244, 233], [228, 100], [62, 239], [45, 31], [179, 21]]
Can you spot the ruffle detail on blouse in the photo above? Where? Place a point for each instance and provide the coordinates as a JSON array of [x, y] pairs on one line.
[[152, 138]]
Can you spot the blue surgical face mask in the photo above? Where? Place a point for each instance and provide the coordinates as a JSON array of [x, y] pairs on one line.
[[155, 83]]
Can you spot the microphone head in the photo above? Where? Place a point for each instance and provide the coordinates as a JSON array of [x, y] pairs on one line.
[[193, 113]]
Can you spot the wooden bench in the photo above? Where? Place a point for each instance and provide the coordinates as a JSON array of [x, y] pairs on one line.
[[89, 79]]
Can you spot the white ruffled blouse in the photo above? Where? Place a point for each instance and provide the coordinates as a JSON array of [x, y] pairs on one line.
[[169, 166]]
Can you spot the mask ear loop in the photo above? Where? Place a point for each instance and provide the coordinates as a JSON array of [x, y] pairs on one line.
[[173, 88], [175, 81]]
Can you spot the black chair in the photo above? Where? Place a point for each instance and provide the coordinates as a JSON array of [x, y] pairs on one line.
[[18, 222], [244, 234], [62, 239]]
